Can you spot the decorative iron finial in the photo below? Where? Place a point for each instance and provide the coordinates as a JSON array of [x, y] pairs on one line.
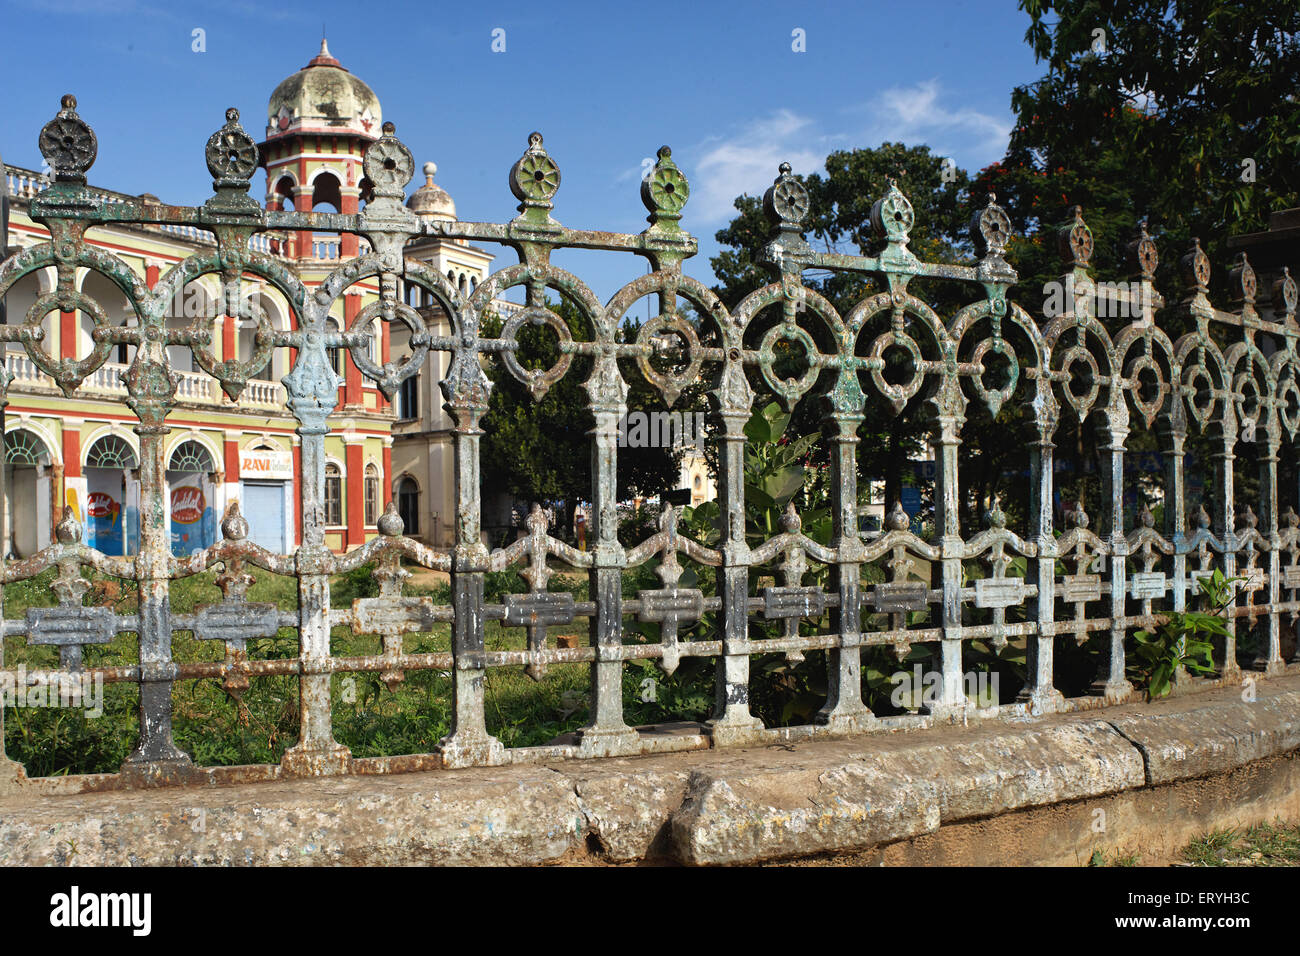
[[1285, 293], [1147, 519], [390, 523], [665, 190], [786, 201], [995, 516], [1247, 519], [68, 530], [1143, 255], [535, 179], [389, 165], [234, 525], [990, 229], [1290, 518], [892, 216], [790, 521], [68, 143], [1075, 241], [1202, 517], [1243, 280], [231, 155], [897, 519], [1196, 267], [1078, 517], [537, 522]]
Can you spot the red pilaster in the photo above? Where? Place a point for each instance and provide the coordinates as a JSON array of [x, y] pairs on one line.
[[151, 276], [71, 452], [232, 459], [348, 241], [68, 335], [355, 502], [352, 374]]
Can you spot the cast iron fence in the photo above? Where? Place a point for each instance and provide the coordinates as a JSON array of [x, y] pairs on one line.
[[1106, 583]]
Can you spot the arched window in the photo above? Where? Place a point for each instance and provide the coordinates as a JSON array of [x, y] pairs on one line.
[[407, 401], [191, 456], [111, 451], [333, 495], [372, 495], [335, 353], [25, 448], [408, 504]]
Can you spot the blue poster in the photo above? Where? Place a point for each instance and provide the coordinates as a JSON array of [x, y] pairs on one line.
[[193, 523]]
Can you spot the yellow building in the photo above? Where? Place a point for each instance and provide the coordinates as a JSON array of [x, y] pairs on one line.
[[83, 452]]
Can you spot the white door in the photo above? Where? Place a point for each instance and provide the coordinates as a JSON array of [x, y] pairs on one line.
[[264, 509]]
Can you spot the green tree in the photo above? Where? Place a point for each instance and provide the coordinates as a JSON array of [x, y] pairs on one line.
[[839, 221], [541, 450]]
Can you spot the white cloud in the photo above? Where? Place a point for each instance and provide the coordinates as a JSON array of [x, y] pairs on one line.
[[746, 159], [914, 115]]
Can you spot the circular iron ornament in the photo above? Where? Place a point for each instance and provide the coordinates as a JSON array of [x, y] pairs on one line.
[[1249, 284], [667, 189], [995, 398], [789, 389], [1288, 291], [68, 373], [231, 153], [1079, 239], [390, 375], [892, 215], [670, 385], [790, 200], [535, 176], [1200, 264], [388, 163], [1148, 409], [538, 381], [1243, 384], [897, 395], [1082, 404], [1288, 405], [991, 228], [1144, 251], [1196, 380], [68, 143]]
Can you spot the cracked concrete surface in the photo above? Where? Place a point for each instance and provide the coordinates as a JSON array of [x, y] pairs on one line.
[[816, 798]]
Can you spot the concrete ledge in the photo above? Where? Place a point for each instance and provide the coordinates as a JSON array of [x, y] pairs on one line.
[[1194, 740], [815, 799]]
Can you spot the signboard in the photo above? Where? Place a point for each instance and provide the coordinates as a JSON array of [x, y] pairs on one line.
[[999, 592], [1147, 584], [1081, 587], [193, 521], [898, 596], [273, 464]]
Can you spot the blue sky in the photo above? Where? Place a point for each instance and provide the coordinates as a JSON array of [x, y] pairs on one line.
[[607, 83]]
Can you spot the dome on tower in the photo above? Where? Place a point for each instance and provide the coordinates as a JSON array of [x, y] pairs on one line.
[[323, 97], [431, 200]]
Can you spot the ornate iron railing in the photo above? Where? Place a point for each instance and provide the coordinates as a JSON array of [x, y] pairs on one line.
[[1105, 583]]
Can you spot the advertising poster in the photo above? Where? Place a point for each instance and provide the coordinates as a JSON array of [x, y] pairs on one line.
[[193, 522], [104, 522]]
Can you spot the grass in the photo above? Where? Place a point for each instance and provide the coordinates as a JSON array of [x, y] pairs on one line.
[[218, 728], [1268, 844]]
